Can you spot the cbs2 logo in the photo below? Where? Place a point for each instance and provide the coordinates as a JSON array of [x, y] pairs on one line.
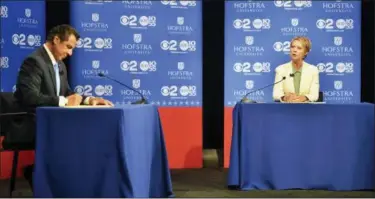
[[132, 66], [257, 23], [183, 45], [282, 46], [87, 90], [288, 3], [99, 43], [182, 2], [32, 40], [143, 20], [340, 67], [183, 90], [257, 67], [340, 23]]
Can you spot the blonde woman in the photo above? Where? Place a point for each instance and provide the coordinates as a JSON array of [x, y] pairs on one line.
[[301, 82]]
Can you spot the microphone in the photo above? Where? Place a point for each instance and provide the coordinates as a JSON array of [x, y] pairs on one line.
[[246, 100], [142, 101]]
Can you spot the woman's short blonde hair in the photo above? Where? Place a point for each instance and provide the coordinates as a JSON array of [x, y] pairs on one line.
[[306, 43]]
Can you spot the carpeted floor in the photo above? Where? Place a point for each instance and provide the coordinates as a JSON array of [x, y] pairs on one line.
[[209, 183]]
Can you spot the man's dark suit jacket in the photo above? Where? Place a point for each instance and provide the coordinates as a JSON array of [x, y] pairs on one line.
[[36, 82]]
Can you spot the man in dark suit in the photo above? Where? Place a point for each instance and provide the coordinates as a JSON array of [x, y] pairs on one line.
[[42, 78]]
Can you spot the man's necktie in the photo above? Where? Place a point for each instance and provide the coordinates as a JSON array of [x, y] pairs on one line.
[[57, 75]]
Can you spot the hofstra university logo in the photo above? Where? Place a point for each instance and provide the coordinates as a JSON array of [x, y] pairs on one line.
[[142, 5], [339, 6], [180, 73], [249, 6], [339, 94], [94, 25], [128, 94], [294, 29], [248, 48], [248, 85], [27, 21], [181, 27], [93, 72], [338, 49], [137, 47]]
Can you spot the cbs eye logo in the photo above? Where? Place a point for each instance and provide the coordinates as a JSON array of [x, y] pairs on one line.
[[282, 46]]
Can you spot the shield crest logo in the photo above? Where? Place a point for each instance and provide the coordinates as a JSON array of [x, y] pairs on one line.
[[180, 20], [294, 21], [28, 12], [180, 65], [249, 84], [95, 64], [95, 17], [249, 40], [337, 41], [338, 85], [136, 83], [137, 38]]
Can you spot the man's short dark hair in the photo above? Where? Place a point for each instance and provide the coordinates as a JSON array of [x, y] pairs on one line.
[[62, 32]]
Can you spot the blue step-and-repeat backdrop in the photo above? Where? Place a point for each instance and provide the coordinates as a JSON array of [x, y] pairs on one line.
[[22, 30], [257, 40], [152, 46]]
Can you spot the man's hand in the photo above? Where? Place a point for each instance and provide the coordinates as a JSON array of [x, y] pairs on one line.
[[99, 101], [74, 100]]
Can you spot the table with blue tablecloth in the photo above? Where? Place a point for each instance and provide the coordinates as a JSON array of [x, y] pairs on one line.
[[302, 146], [90, 152]]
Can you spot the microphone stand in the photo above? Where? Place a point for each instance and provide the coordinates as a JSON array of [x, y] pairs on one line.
[[246, 100]]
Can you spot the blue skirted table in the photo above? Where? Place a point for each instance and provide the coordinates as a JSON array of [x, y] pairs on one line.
[[302, 146], [111, 152]]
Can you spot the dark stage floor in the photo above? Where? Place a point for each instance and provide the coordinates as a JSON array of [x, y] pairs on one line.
[[206, 183]]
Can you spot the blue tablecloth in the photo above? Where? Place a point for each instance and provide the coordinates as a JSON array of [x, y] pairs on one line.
[[101, 152], [302, 146]]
